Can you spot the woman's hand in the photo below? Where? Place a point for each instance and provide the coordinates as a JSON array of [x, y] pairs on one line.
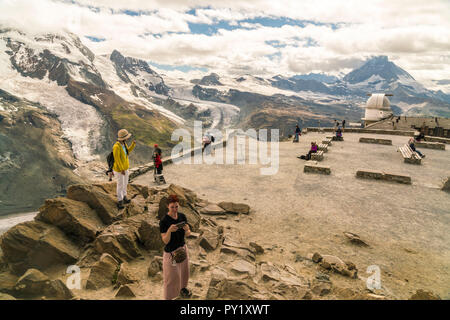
[[187, 230], [172, 228]]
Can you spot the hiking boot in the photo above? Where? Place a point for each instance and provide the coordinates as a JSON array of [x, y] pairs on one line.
[[125, 200], [185, 293], [120, 205]]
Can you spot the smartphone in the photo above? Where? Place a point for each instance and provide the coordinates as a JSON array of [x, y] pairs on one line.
[[180, 225]]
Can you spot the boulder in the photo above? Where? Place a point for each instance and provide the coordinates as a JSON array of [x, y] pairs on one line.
[[258, 249], [120, 240], [355, 239], [185, 196], [337, 265], [4, 296], [103, 203], [76, 219], [424, 295], [212, 209], [35, 283], [150, 235], [34, 244], [223, 287], [242, 266], [232, 247], [209, 240], [132, 189], [446, 185], [316, 257], [125, 291], [155, 266], [103, 273], [138, 205], [235, 208], [7, 282], [125, 275]]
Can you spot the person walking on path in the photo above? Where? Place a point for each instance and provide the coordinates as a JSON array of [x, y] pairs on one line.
[[121, 165], [174, 228]]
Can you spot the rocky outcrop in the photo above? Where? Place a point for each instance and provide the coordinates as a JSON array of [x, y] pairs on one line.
[[35, 244], [424, 295], [335, 264], [234, 208], [35, 283], [103, 273], [103, 203], [76, 219], [149, 234]]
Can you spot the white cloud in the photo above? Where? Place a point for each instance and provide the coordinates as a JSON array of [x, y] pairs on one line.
[[415, 35]]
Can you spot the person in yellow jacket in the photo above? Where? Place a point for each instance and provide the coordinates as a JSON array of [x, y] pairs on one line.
[[121, 165]]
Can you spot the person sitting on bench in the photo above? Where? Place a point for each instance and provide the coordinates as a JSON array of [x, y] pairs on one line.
[[413, 148], [420, 137], [339, 132], [314, 148]]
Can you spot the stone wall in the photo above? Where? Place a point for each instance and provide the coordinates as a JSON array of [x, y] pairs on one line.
[[377, 175]]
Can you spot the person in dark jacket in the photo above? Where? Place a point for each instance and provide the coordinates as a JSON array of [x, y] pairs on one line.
[[298, 132], [413, 148]]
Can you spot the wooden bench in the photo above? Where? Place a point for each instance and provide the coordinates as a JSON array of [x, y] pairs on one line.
[[312, 167], [323, 147], [337, 138], [410, 156], [430, 145], [327, 141], [374, 140], [317, 156]]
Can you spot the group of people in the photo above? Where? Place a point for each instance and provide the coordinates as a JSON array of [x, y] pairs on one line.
[[174, 227]]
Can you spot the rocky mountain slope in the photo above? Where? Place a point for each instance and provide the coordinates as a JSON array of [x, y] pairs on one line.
[[119, 253]]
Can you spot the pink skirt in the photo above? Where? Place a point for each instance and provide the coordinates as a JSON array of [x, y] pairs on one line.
[[175, 277]]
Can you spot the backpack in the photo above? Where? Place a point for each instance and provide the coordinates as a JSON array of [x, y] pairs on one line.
[[110, 161], [212, 139]]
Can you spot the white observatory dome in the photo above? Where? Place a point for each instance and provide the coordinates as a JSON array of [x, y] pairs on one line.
[[378, 107]]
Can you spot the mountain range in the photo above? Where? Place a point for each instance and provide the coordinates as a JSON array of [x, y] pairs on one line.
[[63, 105]]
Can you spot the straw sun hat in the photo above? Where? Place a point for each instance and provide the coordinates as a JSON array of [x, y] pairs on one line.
[[123, 135]]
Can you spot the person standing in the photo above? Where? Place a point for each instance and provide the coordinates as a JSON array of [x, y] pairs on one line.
[[343, 125], [174, 229], [297, 133], [157, 159], [121, 165]]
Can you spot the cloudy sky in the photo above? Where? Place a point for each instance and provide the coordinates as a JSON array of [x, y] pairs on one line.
[[260, 37]]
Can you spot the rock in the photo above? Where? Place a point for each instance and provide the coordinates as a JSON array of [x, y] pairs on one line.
[[76, 219], [7, 282], [194, 235], [125, 275], [235, 208], [212, 209], [184, 195], [337, 265], [316, 257], [424, 295], [257, 247], [355, 239], [223, 287], [120, 239], [125, 291], [150, 235], [209, 240], [4, 296], [132, 189], [287, 275], [155, 266], [241, 266], [34, 244], [322, 277], [34, 283], [321, 288], [232, 247], [138, 205], [103, 203], [446, 185], [103, 273]]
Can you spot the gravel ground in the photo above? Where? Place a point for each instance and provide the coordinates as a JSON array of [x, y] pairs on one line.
[[406, 226]]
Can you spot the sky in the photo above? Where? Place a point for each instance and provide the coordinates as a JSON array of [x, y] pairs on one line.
[[188, 38]]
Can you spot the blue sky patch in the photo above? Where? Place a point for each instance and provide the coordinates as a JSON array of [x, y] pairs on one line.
[[95, 39], [183, 68]]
